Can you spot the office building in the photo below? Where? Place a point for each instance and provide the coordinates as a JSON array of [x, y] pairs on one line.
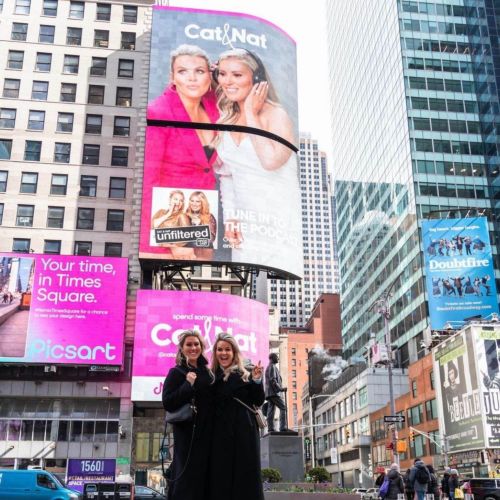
[[414, 113]]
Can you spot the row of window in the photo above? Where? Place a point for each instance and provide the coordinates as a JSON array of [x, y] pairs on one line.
[[440, 9], [450, 105], [55, 217], [444, 28], [443, 125], [451, 191], [46, 34], [440, 84], [450, 66], [451, 168], [98, 67], [446, 46], [77, 10], [453, 147], [88, 185], [23, 245]]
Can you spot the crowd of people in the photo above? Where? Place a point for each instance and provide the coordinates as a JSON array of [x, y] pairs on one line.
[[419, 481]]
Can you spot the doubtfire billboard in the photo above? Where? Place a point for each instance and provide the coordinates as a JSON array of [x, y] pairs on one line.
[[221, 172]]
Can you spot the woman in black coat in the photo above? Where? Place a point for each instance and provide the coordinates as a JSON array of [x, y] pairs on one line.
[[190, 380], [235, 452]]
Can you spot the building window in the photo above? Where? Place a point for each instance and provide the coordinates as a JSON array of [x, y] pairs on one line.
[[414, 388], [46, 34], [362, 397], [416, 415], [59, 184], [55, 217], [32, 150], [76, 10], [5, 149], [65, 122], [101, 38], [117, 187], [24, 216], [111, 249], [128, 41], [21, 245], [119, 156], [22, 7], [40, 90], [62, 151], [88, 185], [93, 124], [85, 218], [1, 214], [115, 220], [15, 59], [124, 96], [91, 154], [417, 447], [43, 62], [11, 88], [82, 248], [126, 68], [96, 94], [98, 67], [49, 8], [103, 12], [29, 182], [71, 64], [52, 247], [19, 32], [431, 409], [7, 118], [130, 14], [68, 92], [3, 180], [74, 36], [431, 377], [122, 126]]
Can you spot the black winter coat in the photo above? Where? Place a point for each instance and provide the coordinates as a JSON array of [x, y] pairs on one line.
[[177, 391], [396, 485], [235, 451]]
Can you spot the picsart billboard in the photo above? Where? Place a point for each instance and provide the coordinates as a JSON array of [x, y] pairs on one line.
[[161, 316], [459, 270], [220, 169], [458, 394], [62, 309]]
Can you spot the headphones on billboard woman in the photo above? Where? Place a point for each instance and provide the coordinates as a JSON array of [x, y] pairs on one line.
[[259, 74]]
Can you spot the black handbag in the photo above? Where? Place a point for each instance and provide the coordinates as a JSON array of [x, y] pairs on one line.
[[185, 413]]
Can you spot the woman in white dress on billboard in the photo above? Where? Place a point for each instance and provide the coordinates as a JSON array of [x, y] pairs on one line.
[[258, 175]]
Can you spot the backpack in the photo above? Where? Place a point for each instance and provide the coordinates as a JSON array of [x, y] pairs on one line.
[[384, 488], [422, 476]]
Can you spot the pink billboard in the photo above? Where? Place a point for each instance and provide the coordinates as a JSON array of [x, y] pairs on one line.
[[161, 316], [58, 309]]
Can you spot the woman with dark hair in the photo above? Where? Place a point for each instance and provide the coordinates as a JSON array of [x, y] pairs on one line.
[[235, 455], [433, 487], [190, 381]]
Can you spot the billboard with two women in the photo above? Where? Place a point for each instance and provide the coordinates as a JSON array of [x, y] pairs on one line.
[[459, 270], [220, 171]]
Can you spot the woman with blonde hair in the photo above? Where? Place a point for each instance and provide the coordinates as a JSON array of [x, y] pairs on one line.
[[235, 454], [198, 211], [190, 381]]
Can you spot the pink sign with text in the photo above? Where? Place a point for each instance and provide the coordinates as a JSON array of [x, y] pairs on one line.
[[161, 316]]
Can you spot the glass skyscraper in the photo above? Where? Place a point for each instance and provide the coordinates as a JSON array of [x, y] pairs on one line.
[[415, 115]]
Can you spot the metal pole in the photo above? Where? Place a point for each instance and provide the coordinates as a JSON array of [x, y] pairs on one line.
[[311, 432], [445, 450]]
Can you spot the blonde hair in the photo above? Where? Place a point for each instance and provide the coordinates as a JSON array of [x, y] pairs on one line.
[[178, 191], [180, 359], [237, 366], [188, 50], [230, 110], [205, 207]]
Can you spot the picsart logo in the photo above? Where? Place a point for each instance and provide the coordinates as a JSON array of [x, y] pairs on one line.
[[226, 35], [48, 351]]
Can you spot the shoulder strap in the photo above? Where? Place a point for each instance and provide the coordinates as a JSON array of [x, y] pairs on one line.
[[253, 410]]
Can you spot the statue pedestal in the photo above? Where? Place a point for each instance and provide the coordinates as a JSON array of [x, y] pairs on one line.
[[283, 451]]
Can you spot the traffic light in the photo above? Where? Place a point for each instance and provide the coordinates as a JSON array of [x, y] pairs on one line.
[[412, 436], [347, 433], [401, 446]]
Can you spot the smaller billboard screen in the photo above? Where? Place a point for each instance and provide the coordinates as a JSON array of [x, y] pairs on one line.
[[89, 470], [459, 270], [59, 309], [161, 316], [458, 394]]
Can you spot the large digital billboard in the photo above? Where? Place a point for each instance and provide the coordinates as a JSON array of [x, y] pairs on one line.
[[57, 309], [221, 177], [459, 270], [161, 316]]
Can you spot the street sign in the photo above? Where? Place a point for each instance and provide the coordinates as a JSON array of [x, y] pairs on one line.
[[394, 419]]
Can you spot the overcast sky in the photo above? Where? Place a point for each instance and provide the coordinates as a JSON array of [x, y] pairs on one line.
[[305, 23]]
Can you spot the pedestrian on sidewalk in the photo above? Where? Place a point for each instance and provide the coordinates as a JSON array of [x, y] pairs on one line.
[[396, 483], [420, 478], [409, 492], [445, 486], [453, 483]]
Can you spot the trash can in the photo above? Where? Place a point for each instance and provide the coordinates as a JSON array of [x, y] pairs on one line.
[[123, 491], [90, 491], [106, 491]]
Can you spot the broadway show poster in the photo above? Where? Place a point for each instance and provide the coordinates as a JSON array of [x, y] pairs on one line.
[[62, 309], [458, 395], [162, 316], [488, 360], [459, 270], [221, 177]]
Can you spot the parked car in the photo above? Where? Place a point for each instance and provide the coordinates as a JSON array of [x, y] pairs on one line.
[[33, 483], [370, 494], [484, 488], [358, 491], [145, 493]]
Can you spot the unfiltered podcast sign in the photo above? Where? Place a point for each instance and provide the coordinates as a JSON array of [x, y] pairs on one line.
[[162, 316], [459, 270], [62, 309]]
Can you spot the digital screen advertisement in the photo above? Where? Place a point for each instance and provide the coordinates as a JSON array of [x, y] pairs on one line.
[[162, 316], [221, 181], [460, 277], [61, 309], [81, 471]]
